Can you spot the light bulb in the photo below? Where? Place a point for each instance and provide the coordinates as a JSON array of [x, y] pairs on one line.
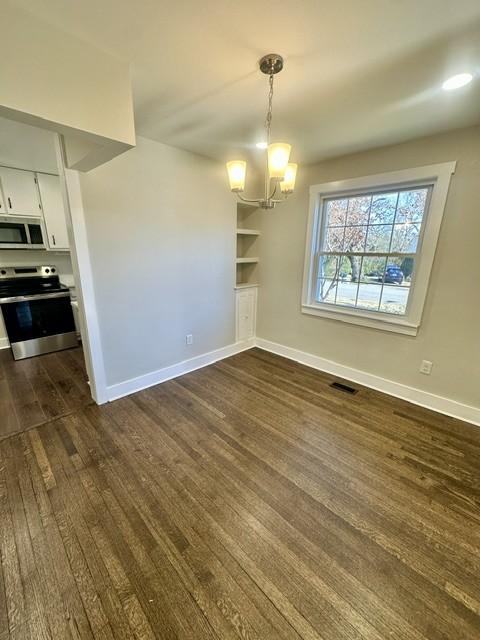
[[287, 185], [236, 174], [278, 155]]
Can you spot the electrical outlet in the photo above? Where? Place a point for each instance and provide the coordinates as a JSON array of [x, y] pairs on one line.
[[426, 367], [189, 338]]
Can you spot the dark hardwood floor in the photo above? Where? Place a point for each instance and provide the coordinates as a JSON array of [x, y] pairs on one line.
[[247, 500], [39, 389]]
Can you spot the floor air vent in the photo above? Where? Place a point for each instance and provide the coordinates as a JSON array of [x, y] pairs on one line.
[[344, 387]]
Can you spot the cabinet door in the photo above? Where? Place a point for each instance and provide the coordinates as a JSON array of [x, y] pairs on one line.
[[246, 302], [53, 211], [20, 192], [3, 209]]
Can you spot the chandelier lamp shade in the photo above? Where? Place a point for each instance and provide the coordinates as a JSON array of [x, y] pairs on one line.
[[280, 174]]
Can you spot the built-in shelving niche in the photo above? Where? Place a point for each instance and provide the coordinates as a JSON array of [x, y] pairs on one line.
[[247, 246]]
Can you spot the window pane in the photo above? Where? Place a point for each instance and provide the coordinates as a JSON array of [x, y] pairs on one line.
[[345, 271], [399, 271], [383, 208], [411, 205], [378, 239], [394, 299], [328, 267], [326, 290], [406, 266], [336, 212], [369, 296], [334, 239], [373, 269], [405, 237], [347, 293], [355, 239], [358, 210]]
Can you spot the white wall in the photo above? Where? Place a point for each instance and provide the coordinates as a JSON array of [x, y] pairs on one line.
[[161, 233], [448, 335]]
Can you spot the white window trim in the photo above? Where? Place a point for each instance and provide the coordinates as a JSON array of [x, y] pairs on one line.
[[438, 175]]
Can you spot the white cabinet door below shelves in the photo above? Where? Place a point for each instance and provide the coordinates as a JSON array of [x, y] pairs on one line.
[[20, 192], [53, 211], [246, 311]]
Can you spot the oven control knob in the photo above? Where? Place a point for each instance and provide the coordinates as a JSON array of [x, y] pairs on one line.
[[53, 270], [3, 272], [47, 270]]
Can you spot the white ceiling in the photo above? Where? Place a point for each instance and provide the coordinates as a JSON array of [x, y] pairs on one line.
[[358, 73]]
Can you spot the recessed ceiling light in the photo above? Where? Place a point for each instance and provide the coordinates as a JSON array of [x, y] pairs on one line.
[[261, 145], [457, 81]]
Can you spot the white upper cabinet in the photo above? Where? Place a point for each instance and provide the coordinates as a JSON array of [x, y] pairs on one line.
[[20, 193], [53, 211]]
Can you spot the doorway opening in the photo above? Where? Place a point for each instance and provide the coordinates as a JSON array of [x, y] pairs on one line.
[[50, 355]]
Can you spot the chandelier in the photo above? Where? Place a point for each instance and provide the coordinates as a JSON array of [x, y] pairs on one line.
[[278, 171]]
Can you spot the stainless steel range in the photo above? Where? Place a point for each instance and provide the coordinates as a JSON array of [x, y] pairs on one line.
[[36, 310]]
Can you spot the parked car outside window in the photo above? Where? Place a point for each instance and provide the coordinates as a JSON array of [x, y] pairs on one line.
[[393, 274]]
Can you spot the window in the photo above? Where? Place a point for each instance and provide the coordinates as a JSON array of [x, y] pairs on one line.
[[370, 247]]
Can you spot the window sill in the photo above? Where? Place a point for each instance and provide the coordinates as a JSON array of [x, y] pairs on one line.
[[364, 319]]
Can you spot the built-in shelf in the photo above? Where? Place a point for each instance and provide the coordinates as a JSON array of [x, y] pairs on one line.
[[247, 241], [248, 232], [247, 260]]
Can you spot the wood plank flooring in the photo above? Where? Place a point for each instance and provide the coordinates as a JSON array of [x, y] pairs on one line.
[[246, 500], [36, 390]]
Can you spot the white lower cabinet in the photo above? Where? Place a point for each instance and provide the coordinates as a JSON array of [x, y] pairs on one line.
[[245, 312], [53, 212]]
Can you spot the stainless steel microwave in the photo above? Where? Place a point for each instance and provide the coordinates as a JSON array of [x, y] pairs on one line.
[[20, 233]]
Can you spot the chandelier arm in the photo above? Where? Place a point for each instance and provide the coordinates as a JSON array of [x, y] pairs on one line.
[[273, 192], [249, 200], [285, 196]]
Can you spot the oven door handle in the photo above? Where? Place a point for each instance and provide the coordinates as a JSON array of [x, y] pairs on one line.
[[40, 296]]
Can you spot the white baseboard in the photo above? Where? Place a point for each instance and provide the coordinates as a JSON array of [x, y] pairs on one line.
[[121, 389], [411, 394], [4, 343]]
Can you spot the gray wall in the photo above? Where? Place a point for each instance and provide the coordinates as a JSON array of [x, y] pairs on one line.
[[449, 334], [161, 233]]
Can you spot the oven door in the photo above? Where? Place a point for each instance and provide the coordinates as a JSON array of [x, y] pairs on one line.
[[39, 324]]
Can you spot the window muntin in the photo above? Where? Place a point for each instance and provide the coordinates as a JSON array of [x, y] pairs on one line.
[[367, 249]]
